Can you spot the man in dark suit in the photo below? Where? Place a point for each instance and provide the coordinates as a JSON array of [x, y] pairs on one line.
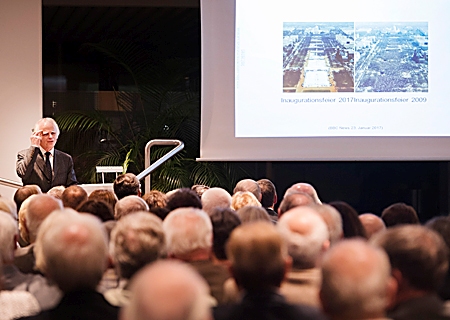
[[41, 163]]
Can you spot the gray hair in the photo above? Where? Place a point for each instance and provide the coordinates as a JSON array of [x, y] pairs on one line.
[[129, 204], [8, 227]]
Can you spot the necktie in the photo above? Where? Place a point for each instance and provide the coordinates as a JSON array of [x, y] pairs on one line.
[[48, 166]]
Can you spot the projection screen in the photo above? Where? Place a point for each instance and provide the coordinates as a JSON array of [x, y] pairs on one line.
[[329, 80]]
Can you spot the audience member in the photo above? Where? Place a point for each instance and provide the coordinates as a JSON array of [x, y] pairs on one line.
[[356, 281], [333, 219], [419, 262], [137, 239], [372, 224], [72, 250], [56, 191], [268, 197], [126, 184], [168, 290], [258, 263], [306, 188], [104, 195], [98, 208], [183, 198], [243, 198], [253, 213], [293, 200], [250, 186], [8, 206], [223, 220], [399, 213], [351, 224], [24, 192], [129, 204], [215, 198], [199, 189], [189, 238], [73, 196], [157, 202]]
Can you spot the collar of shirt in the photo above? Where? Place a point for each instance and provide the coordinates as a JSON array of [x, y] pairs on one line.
[[52, 152]]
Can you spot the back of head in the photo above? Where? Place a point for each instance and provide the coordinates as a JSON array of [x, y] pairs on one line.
[[187, 230], [399, 213], [333, 219], [258, 256], [98, 208], [268, 193], [250, 186], [57, 191], [136, 240], [306, 188], [72, 250], [72, 196], [155, 199], [199, 189], [224, 221], [351, 224], [241, 199], [38, 208], [306, 235], [129, 204], [215, 198], [419, 253], [104, 195], [8, 206], [183, 198], [295, 199], [24, 192], [8, 235], [372, 224], [356, 282], [253, 213], [126, 184], [168, 290]]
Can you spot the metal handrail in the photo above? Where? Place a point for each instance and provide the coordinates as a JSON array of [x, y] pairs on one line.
[[150, 168], [10, 183]]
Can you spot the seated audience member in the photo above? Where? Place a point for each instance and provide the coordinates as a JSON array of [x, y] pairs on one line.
[[137, 239], [372, 224], [98, 208], [419, 262], [250, 186], [168, 290], [15, 304], [306, 188], [258, 263], [224, 220], [293, 200], [333, 219], [47, 295], [442, 226], [57, 192], [38, 207], [268, 197], [126, 184], [215, 198], [183, 198], [199, 189], [104, 195], [73, 196], [157, 202], [72, 250], [241, 199], [356, 281], [351, 224], [8, 206], [253, 213], [189, 238], [399, 213], [24, 192], [129, 204]]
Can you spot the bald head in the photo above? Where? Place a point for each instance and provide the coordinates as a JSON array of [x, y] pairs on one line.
[[215, 198], [306, 235], [333, 219], [356, 281], [306, 188], [372, 223], [293, 200], [168, 290], [249, 185], [38, 208], [129, 204]]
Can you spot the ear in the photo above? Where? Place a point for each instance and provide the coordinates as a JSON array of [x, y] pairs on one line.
[[275, 199], [392, 288], [326, 245], [287, 266]]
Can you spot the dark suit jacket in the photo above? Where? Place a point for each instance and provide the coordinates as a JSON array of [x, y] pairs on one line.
[[30, 167]]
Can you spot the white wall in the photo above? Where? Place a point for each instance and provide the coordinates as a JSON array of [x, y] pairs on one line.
[[20, 81]]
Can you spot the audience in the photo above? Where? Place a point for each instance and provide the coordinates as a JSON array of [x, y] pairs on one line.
[[24, 192], [399, 213], [223, 220], [98, 208], [372, 224], [253, 213], [243, 198], [56, 191], [293, 200], [333, 219], [73, 196], [104, 195], [215, 198], [356, 282], [129, 204], [351, 224], [183, 198], [419, 262], [126, 184], [305, 188], [250, 186], [189, 238], [199, 189], [268, 197], [157, 202]]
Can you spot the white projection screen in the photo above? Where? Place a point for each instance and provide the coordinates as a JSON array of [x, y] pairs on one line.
[[330, 80]]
